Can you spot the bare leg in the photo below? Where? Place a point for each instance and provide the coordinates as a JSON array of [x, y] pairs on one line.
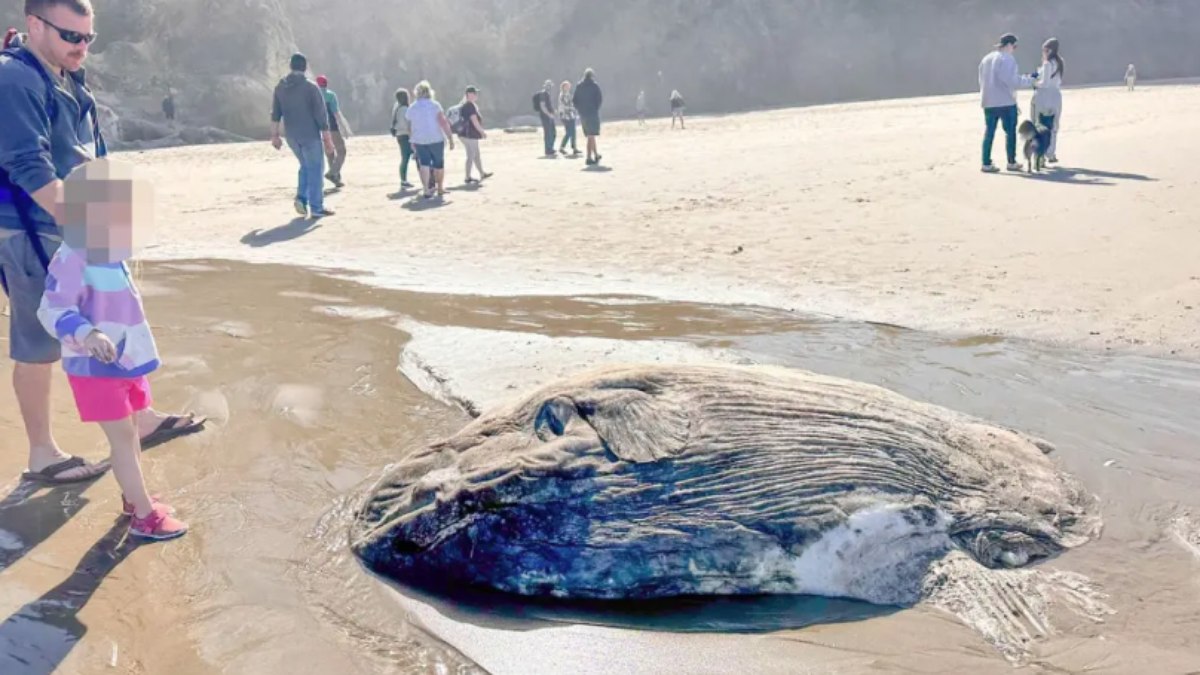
[[127, 464], [440, 176], [31, 382]]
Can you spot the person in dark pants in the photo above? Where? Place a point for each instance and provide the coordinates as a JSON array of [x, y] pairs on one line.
[[168, 107], [299, 104], [402, 130], [569, 117], [545, 108], [588, 99], [999, 79]]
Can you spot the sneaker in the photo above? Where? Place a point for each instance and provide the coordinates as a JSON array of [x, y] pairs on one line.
[[1015, 166], [1052, 159], [470, 181], [486, 176], [598, 158], [989, 168], [127, 508], [159, 525], [300, 206], [406, 185], [322, 213]]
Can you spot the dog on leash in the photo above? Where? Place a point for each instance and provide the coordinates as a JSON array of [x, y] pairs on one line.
[[1034, 141]]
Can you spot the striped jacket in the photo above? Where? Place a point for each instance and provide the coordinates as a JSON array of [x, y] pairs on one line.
[[81, 297]]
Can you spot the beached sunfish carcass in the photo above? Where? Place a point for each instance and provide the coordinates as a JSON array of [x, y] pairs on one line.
[[656, 481]]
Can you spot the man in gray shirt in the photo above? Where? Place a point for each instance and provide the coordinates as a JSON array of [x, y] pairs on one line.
[[301, 106]]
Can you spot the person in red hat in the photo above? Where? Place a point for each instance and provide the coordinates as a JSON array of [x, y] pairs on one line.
[[338, 128]]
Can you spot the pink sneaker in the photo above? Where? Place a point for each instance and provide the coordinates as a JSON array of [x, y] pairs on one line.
[[127, 508], [159, 525]]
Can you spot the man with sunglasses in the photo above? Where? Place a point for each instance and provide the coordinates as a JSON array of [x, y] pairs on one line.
[[47, 128]]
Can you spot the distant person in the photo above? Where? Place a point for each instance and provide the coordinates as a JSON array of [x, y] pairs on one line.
[[999, 79], [588, 99], [430, 133], [1046, 107], [569, 117], [299, 104], [402, 131], [472, 133], [339, 129], [641, 108], [1130, 77], [544, 105], [168, 107], [677, 108]]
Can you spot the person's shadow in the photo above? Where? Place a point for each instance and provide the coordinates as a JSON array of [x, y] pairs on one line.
[[1078, 176], [37, 638], [597, 168], [420, 204], [297, 228], [32, 513]]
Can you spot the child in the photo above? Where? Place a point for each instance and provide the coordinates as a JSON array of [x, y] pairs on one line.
[[93, 307]]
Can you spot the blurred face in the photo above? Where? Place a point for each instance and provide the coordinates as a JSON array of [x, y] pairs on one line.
[[472, 97], [108, 215], [61, 36]]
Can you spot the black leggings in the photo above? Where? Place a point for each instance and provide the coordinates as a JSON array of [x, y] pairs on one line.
[[406, 153]]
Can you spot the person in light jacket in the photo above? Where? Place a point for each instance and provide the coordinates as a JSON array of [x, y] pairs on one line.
[[999, 79]]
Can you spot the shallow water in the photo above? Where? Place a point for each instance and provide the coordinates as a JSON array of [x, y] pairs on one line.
[[299, 372]]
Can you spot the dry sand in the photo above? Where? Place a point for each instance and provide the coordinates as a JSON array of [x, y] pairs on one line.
[[871, 211]]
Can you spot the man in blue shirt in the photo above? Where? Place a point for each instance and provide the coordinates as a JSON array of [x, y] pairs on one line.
[[48, 127]]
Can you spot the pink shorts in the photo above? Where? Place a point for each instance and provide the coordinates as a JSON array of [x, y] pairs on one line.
[[109, 399]]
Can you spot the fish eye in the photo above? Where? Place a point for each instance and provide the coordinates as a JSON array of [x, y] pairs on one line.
[[552, 418]]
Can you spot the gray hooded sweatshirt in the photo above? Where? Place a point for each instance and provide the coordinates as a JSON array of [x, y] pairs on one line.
[[299, 103]]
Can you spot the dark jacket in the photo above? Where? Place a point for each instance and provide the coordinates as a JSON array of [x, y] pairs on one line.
[[35, 149], [588, 98], [301, 106]]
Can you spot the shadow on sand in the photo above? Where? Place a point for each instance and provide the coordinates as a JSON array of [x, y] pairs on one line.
[[295, 229], [37, 638]]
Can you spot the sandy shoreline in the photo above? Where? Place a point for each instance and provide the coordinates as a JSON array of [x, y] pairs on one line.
[[867, 211]]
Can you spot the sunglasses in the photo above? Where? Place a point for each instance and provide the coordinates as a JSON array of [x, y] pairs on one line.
[[73, 37]]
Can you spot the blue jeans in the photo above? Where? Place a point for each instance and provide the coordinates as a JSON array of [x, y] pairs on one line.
[[310, 189], [569, 135], [1007, 115], [549, 131]]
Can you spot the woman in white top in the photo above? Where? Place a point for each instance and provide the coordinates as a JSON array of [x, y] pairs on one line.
[[1047, 97], [430, 132], [1130, 77]]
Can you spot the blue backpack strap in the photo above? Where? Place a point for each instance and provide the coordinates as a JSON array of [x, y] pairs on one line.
[[21, 200]]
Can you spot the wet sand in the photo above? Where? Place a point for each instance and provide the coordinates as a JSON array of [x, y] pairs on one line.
[[300, 374]]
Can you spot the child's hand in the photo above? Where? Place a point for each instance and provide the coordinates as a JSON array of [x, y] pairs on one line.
[[100, 347]]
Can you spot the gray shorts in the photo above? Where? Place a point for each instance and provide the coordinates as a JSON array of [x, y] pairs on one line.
[[24, 281]]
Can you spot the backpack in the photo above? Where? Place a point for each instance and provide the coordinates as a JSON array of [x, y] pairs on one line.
[[458, 124], [9, 190], [537, 103]]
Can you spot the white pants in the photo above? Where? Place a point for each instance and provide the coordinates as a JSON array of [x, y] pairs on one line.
[[473, 156]]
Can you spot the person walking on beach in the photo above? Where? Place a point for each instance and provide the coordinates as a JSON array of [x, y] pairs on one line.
[[300, 105], [472, 133], [93, 307], [1046, 107], [588, 99], [677, 108], [999, 79], [641, 108], [48, 128], [339, 129], [568, 115], [430, 133], [1130, 77], [544, 105], [402, 131]]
